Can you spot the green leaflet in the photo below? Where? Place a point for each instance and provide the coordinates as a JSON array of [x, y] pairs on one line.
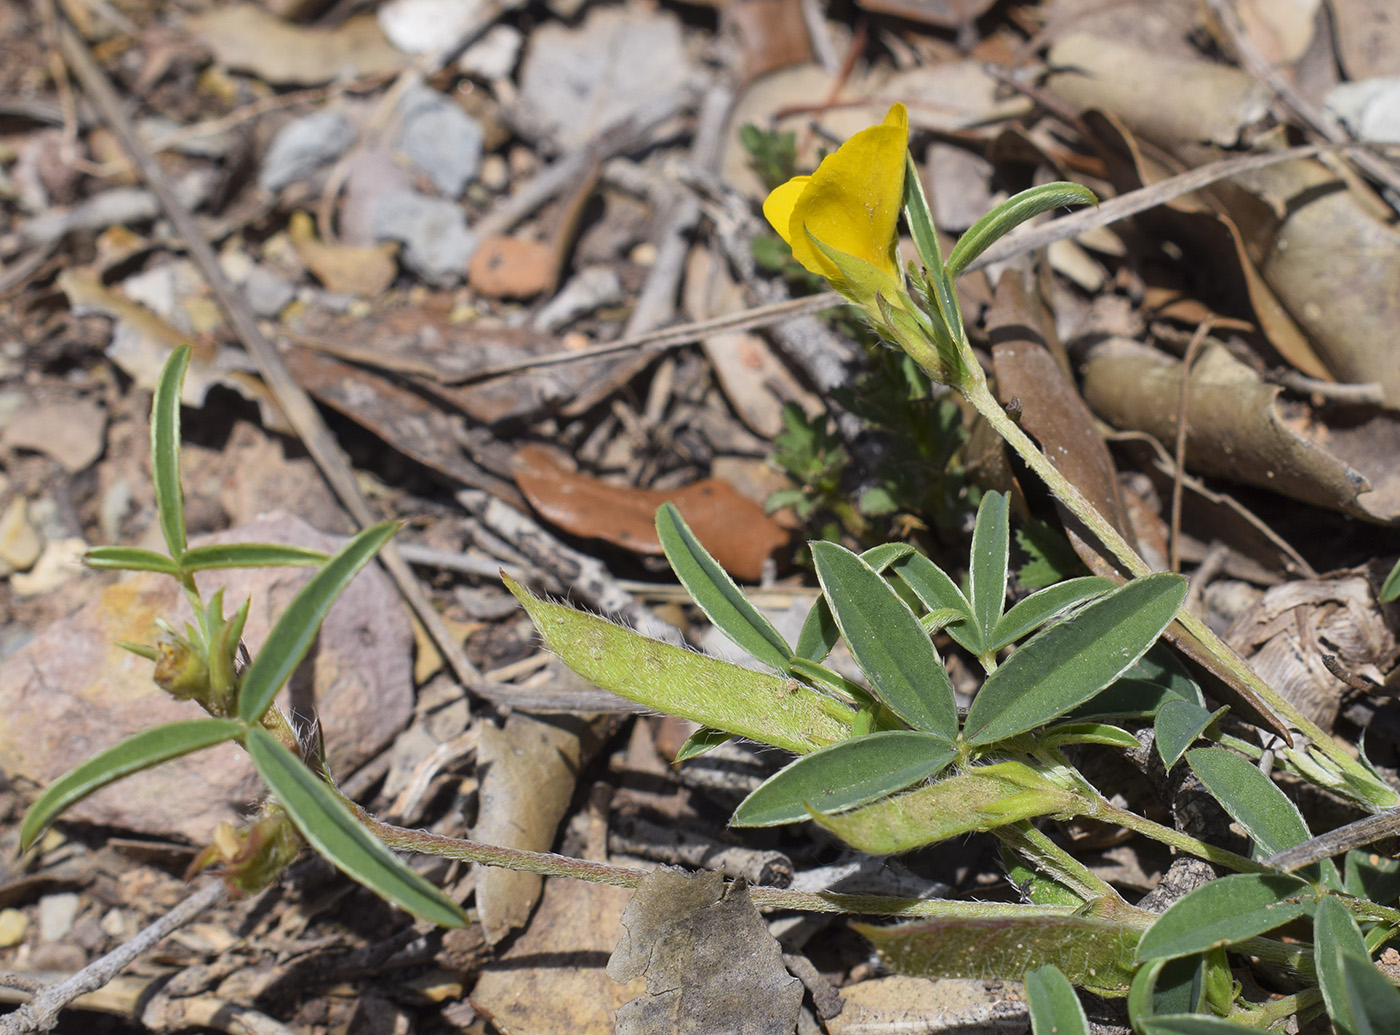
[[1035, 610], [332, 829], [250, 555], [843, 776], [165, 451], [297, 627], [1010, 214], [1251, 798], [1054, 1008], [714, 693], [715, 593], [139, 751], [1066, 664], [991, 547], [130, 558], [887, 641], [1177, 725], [1224, 912]]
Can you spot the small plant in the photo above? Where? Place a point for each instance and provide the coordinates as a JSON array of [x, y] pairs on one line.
[[201, 664], [890, 765]]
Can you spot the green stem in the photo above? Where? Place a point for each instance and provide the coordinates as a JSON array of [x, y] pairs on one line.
[[1100, 809], [1362, 784]]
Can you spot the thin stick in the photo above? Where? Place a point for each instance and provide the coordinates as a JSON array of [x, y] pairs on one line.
[[290, 396], [41, 1013]]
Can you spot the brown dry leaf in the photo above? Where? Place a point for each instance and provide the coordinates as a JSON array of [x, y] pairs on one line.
[[508, 267], [71, 691], [72, 431], [1368, 37], [941, 14], [1281, 32], [770, 35], [1238, 428], [1323, 251], [551, 979], [245, 37], [920, 1006], [528, 769], [366, 272], [402, 418], [734, 529], [710, 963]]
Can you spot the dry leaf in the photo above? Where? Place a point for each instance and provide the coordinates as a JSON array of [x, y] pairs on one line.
[[919, 1006], [245, 37], [734, 529], [365, 271], [507, 267], [710, 963]]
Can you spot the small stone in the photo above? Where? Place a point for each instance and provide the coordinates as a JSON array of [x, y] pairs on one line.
[[267, 293], [494, 55], [56, 915], [73, 433], [61, 560], [440, 139], [303, 146], [422, 26], [494, 175], [588, 290], [13, 924], [19, 543], [433, 231], [115, 924], [507, 267]]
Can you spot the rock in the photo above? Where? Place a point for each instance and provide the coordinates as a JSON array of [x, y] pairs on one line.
[[433, 231], [13, 924], [73, 432], [507, 267], [423, 26], [56, 915], [588, 290], [494, 55], [71, 692], [266, 292], [440, 139], [19, 543], [60, 561], [575, 82], [303, 146]]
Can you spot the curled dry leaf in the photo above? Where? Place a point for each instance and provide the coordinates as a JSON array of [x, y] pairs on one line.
[[1238, 428], [734, 529]]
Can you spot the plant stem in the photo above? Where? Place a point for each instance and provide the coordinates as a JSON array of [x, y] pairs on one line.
[[551, 865], [1359, 782], [1096, 807]]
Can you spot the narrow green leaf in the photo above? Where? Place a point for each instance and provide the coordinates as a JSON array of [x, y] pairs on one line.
[[139, 751], [1010, 214], [165, 451], [1089, 733], [1064, 665], [332, 829], [702, 740], [1360, 1000], [819, 631], [715, 593], [1054, 1008], [676, 681], [1195, 1024], [1225, 911], [936, 591], [983, 798], [1372, 876], [1035, 610], [129, 558], [1093, 953], [1163, 986], [887, 641], [1177, 725], [250, 555], [919, 218], [1251, 798], [843, 776], [297, 626], [991, 547], [1390, 588]]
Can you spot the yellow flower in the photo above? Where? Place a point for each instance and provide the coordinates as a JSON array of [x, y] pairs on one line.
[[849, 206]]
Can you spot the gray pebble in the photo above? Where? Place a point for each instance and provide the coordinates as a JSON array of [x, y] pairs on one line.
[[303, 146], [433, 231]]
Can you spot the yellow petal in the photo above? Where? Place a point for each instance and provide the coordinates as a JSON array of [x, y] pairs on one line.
[[852, 202], [778, 206]]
